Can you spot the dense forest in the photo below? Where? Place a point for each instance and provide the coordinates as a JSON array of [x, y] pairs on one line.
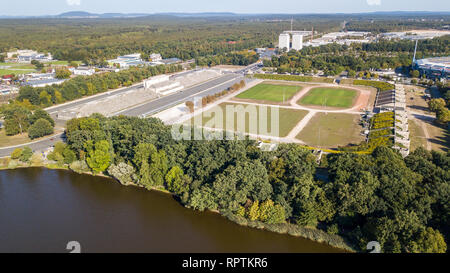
[[335, 58], [401, 203], [96, 40]]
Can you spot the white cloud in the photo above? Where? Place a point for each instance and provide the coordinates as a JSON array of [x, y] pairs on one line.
[[373, 2], [73, 2]]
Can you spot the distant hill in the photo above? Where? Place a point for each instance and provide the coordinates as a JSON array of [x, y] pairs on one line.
[[84, 14]]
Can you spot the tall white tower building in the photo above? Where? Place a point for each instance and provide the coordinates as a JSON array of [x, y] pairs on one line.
[[284, 41], [297, 41]]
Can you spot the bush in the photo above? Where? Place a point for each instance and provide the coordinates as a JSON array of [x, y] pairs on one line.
[[26, 154], [40, 128], [381, 86], [292, 78], [36, 159], [69, 155], [79, 166], [16, 153]]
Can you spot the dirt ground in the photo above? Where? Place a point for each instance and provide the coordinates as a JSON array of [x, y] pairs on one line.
[[416, 99]]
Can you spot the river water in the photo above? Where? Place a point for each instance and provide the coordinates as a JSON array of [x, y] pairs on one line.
[[42, 210]]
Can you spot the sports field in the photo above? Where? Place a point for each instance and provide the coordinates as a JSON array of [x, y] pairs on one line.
[[326, 130], [331, 97], [270, 92], [287, 119]]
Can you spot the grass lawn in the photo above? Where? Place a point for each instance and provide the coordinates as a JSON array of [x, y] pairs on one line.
[[334, 129], [331, 97], [439, 137], [270, 92], [287, 119], [16, 72], [417, 136], [12, 140]]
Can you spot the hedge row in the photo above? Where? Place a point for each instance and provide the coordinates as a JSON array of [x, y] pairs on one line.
[[293, 78], [381, 86]]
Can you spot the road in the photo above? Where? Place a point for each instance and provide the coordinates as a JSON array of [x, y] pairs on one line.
[[143, 110]]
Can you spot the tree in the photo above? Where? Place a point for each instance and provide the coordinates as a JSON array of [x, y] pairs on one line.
[[443, 115], [69, 155], [435, 104], [176, 181], [123, 172], [40, 128], [63, 73], [415, 73], [429, 241], [41, 114], [98, 157], [26, 154], [16, 119]]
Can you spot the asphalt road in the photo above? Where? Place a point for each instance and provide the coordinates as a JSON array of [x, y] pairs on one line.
[[146, 109]]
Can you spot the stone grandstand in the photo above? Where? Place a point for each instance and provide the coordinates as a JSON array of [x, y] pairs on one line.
[[152, 88], [395, 101]]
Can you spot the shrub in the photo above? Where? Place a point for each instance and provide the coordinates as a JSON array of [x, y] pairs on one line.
[[381, 86], [36, 159], [26, 154], [293, 78], [69, 155], [40, 128], [79, 166], [123, 172], [16, 153]]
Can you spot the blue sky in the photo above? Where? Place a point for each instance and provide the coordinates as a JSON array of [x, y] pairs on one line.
[[51, 7]]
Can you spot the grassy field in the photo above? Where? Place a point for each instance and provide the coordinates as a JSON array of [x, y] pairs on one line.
[[334, 130], [12, 140], [288, 118], [270, 92], [417, 136], [331, 97], [15, 72]]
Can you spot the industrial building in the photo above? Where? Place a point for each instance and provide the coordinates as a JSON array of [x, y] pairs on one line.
[[26, 56], [438, 67], [127, 60]]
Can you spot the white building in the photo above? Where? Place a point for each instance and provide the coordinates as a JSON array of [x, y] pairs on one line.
[[84, 71], [284, 41], [297, 41], [155, 57]]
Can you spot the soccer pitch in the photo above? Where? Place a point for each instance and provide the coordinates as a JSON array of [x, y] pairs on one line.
[[288, 119], [270, 92], [331, 97]]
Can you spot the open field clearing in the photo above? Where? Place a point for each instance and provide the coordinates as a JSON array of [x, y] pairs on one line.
[[439, 137], [330, 97], [332, 130], [270, 92], [6, 141], [287, 119], [418, 138]]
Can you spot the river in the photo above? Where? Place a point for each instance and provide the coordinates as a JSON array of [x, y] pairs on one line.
[[41, 210]]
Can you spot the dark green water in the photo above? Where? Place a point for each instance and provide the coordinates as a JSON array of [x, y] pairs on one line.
[[42, 210]]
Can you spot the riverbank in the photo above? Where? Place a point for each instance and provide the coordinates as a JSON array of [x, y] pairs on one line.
[[313, 235]]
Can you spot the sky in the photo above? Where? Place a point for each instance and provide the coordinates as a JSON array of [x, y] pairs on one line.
[[53, 7]]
